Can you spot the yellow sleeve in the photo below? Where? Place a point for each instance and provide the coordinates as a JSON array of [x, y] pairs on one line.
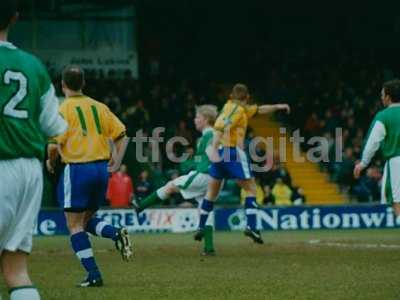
[[229, 119], [251, 110], [114, 128], [61, 138]]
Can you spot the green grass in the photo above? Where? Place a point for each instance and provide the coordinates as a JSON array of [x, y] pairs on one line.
[[168, 266]]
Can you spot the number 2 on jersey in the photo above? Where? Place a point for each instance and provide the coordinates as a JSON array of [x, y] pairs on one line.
[[10, 109]]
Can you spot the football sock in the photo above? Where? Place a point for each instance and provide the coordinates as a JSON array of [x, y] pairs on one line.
[[208, 239], [83, 250], [205, 209], [97, 226], [153, 199], [24, 293], [251, 212]]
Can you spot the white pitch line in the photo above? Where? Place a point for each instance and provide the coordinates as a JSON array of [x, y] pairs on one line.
[[352, 245]]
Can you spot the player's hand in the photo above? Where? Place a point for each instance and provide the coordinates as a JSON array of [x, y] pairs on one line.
[[213, 155], [359, 167], [50, 167], [112, 168], [285, 107]]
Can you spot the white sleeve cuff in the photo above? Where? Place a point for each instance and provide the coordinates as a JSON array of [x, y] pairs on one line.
[[50, 120]]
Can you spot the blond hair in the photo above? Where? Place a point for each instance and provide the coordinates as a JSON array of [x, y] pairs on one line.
[[210, 112]]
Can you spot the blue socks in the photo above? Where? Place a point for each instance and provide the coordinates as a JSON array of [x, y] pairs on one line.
[[205, 209], [97, 226], [251, 212], [83, 250]]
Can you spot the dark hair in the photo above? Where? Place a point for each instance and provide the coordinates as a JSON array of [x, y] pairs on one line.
[[8, 9], [74, 78], [392, 89], [240, 92]]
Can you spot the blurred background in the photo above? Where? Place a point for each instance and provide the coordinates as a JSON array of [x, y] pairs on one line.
[[153, 61]]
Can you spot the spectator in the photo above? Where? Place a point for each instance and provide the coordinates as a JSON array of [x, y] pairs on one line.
[[120, 188], [298, 197], [113, 102], [367, 189], [344, 169], [269, 199], [143, 186], [259, 195], [282, 193], [278, 171], [136, 117], [184, 132]]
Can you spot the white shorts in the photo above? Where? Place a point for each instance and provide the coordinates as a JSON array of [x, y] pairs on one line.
[[390, 192], [21, 189], [193, 185]]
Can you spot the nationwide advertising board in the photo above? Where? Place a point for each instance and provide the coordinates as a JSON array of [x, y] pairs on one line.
[[273, 218]]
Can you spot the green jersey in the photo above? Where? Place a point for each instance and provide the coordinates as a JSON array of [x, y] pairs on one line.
[[201, 158], [28, 105], [384, 134]]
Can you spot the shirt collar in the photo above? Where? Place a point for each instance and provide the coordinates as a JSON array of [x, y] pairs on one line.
[[394, 105], [7, 45], [205, 130]]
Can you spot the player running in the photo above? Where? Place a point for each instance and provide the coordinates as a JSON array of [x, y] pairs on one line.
[[82, 187], [28, 112], [385, 134], [194, 184], [229, 161]]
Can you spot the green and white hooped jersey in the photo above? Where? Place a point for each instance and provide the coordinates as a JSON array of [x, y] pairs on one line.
[[384, 134], [28, 105]]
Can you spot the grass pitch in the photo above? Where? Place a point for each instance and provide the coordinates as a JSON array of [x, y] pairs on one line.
[[291, 265]]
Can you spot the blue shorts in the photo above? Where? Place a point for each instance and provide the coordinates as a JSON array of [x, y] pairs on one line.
[[234, 165], [83, 186]]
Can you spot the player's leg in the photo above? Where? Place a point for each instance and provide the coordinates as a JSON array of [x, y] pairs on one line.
[[98, 227], [207, 206], [156, 198], [74, 192], [21, 198], [391, 184], [82, 247], [101, 228], [251, 208], [15, 271], [208, 247]]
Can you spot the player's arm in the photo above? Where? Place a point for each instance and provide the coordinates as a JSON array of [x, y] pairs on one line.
[[267, 108], [376, 135], [52, 154], [50, 120], [116, 132]]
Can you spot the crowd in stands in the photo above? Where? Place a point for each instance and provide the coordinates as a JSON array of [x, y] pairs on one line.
[[343, 93]]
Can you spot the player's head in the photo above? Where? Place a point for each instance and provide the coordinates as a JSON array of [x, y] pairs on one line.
[[205, 116], [73, 79], [8, 13], [391, 92], [240, 92]]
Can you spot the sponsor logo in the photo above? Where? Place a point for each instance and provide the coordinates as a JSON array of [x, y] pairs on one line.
[[315, 218]]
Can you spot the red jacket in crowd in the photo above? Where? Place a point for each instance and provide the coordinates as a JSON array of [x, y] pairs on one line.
[[120, 190]]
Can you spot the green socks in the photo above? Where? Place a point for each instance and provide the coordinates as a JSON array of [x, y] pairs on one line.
[[149, 201], [208, 239]]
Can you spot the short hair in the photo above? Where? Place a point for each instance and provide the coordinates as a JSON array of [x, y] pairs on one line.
[[8, 9], [240, 92], [210, 112], [74, 78], [392, 89]]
